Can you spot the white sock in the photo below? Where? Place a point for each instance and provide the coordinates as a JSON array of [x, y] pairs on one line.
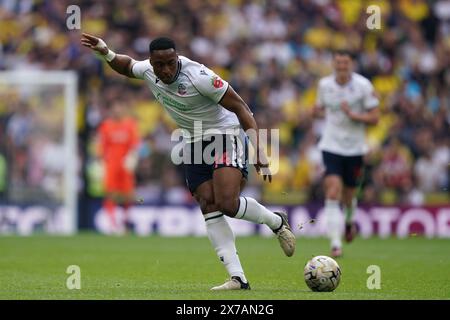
[[251, 210], [334, 222], [222, 239]]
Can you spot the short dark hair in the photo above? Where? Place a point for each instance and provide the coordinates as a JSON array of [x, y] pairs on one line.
[[161, 43], [344, 52]]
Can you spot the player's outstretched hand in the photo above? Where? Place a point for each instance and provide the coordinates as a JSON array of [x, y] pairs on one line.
[[262, 167], [264, 171], [94, 43], [346, 109]]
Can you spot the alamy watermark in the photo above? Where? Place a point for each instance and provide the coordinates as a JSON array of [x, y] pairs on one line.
[[73, 21], [374, 280], [74, 280], [231, 146], [374, 20]]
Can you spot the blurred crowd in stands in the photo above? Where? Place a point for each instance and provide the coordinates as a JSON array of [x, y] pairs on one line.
[[272, 53]]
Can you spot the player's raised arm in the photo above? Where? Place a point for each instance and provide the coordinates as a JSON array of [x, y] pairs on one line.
[[118, 62], [234, 103]]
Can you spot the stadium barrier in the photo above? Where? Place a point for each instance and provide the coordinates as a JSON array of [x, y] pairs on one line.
[[172, 221]]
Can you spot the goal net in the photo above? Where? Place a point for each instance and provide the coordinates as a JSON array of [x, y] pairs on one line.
[[38, 157]]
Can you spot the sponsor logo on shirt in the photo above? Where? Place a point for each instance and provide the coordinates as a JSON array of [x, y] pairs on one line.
[[217, 82], [182, 90], [168, 102]]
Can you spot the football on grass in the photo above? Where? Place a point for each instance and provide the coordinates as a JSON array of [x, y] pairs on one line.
[[322, 274]]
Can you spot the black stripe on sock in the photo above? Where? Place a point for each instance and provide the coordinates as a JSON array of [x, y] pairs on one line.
[[239, 206], [245, 210], [214, 217], [282, 222]]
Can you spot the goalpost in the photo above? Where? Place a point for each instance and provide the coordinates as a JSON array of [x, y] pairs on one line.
[[42, 194]]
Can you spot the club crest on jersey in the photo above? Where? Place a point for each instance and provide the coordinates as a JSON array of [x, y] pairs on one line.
[[182, 89], [217, 82]]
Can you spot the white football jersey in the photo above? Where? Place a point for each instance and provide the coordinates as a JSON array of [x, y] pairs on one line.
[[342, 135], [193, 97]]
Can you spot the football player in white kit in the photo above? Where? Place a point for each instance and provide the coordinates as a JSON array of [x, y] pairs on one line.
[[349, 104], [191, 93]]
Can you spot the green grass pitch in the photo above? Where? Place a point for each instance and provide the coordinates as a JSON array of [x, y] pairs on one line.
[[185, 268]]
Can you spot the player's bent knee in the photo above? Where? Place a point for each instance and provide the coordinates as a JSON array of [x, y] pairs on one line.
[[333, 190], [206, 204], [333, 193], [228, 206], [333, 196], [209, 208]]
